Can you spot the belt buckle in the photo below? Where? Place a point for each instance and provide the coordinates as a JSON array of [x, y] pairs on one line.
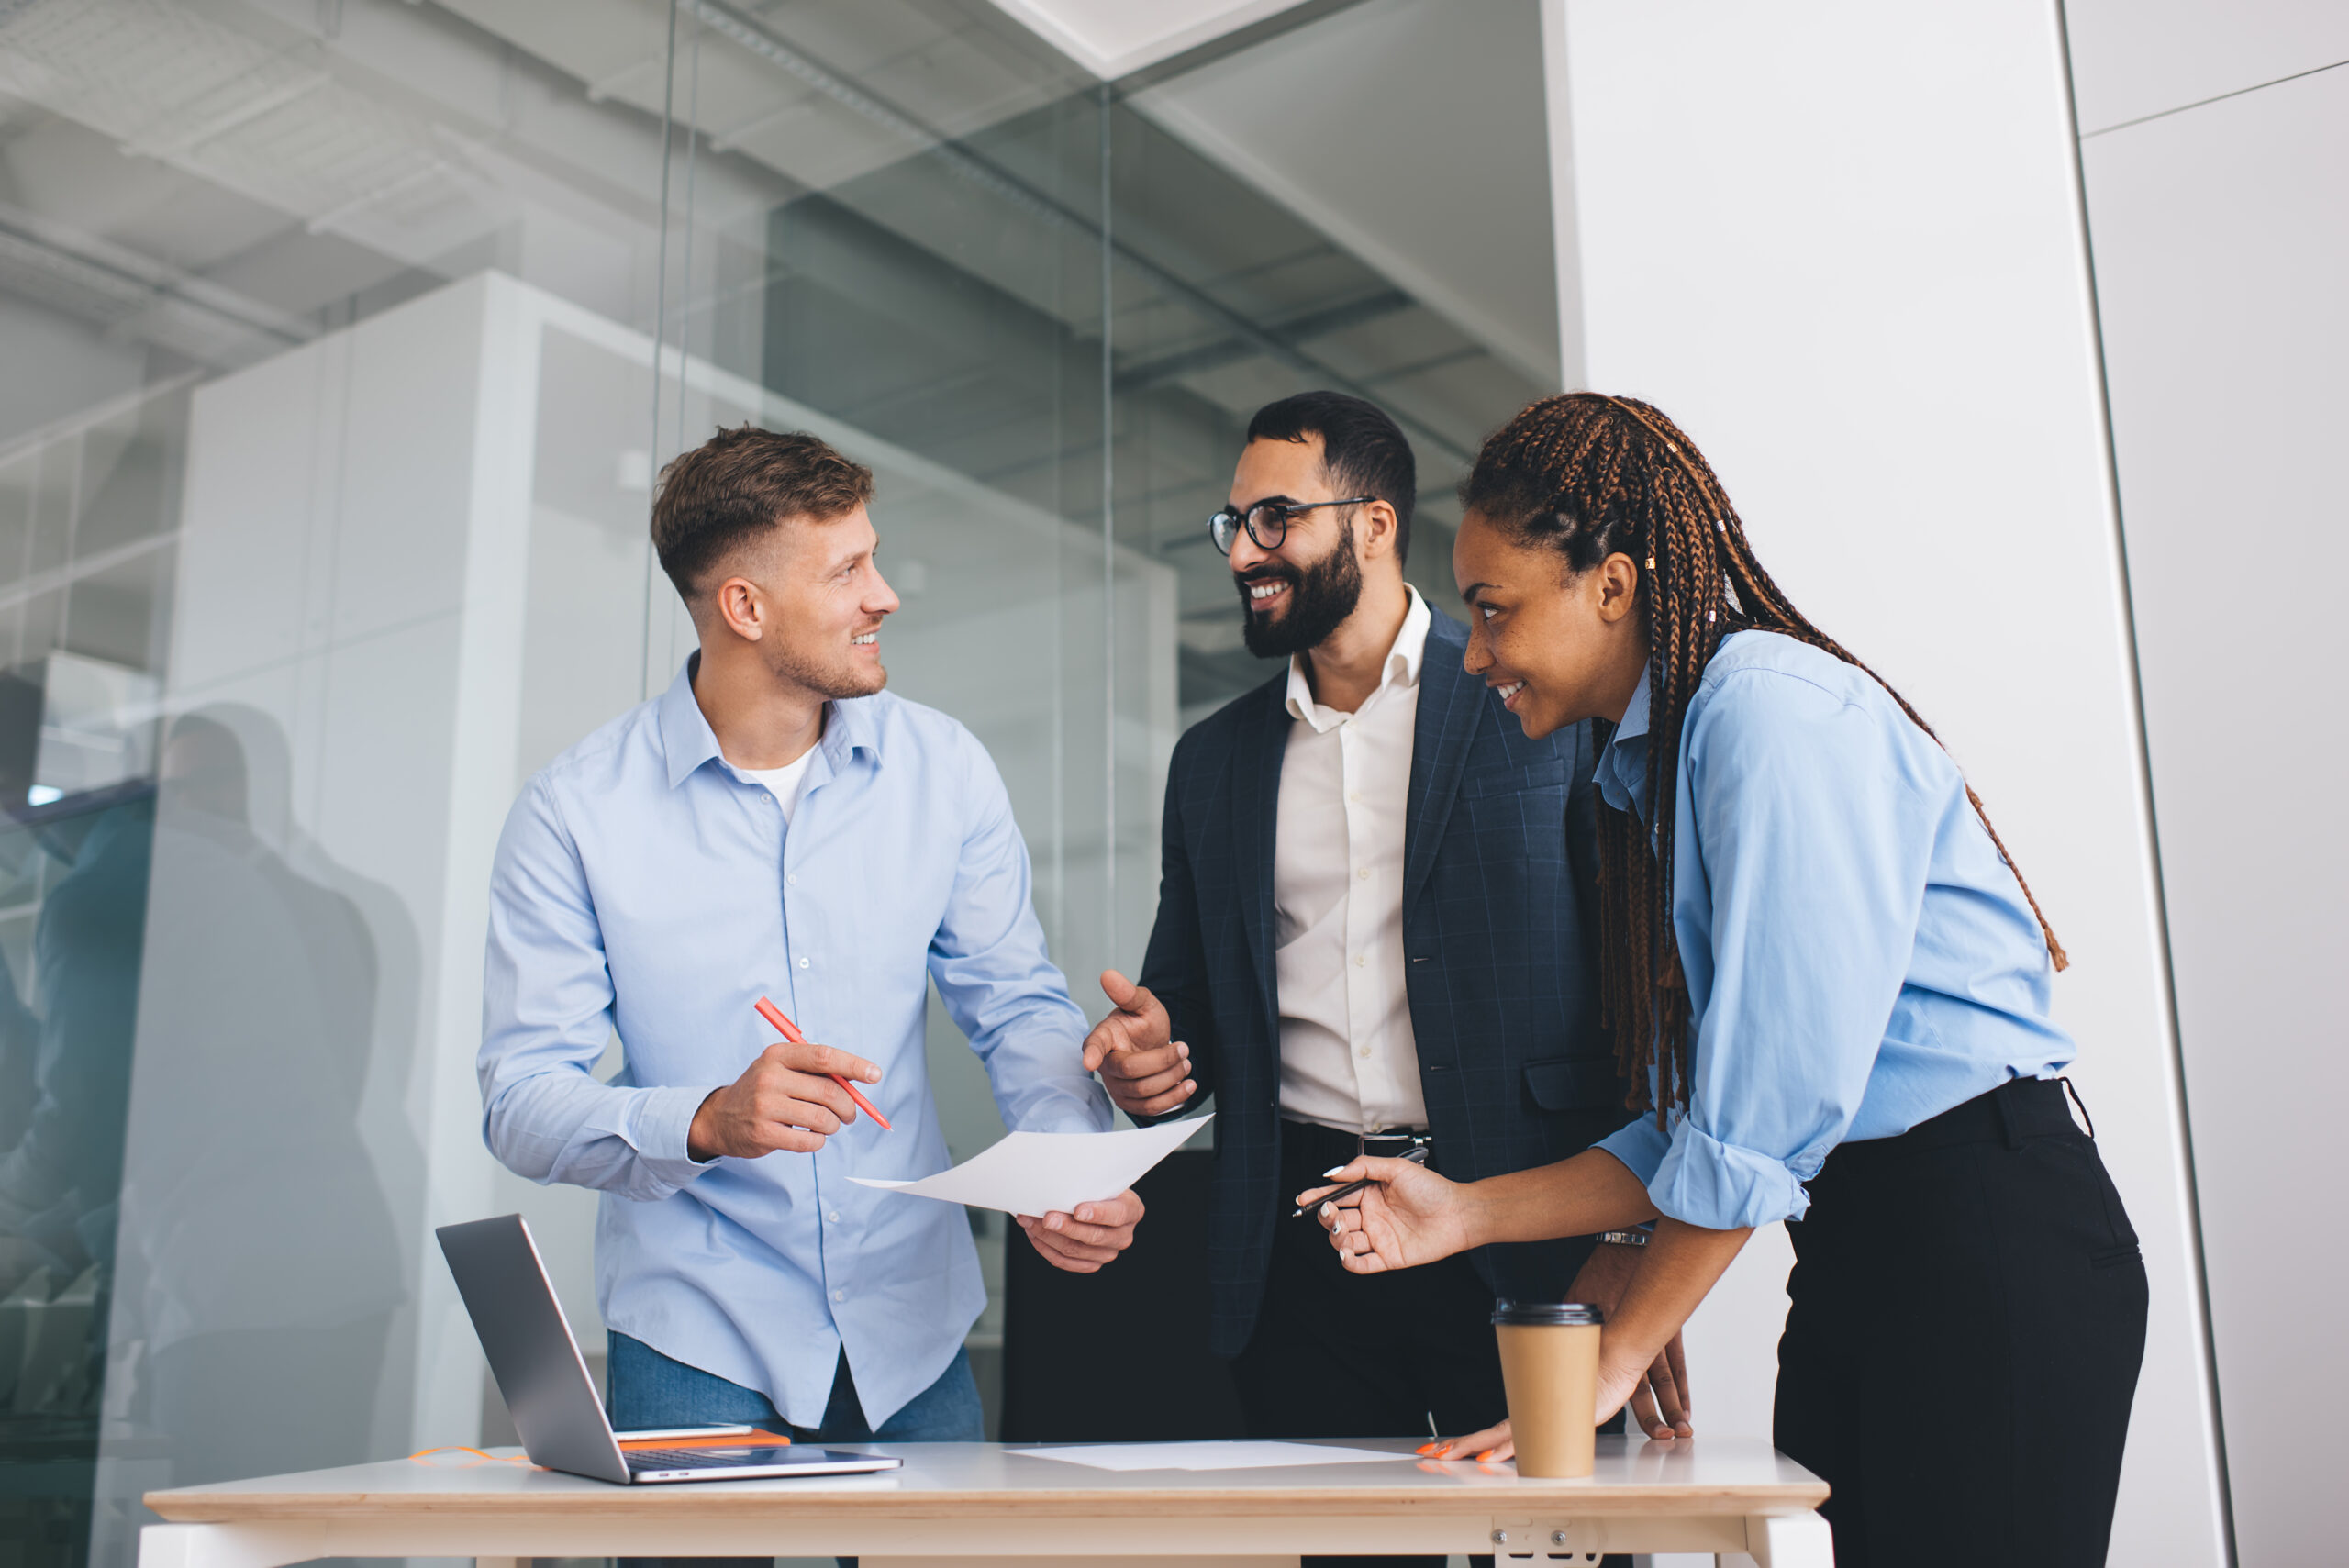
[[1363, 1140]]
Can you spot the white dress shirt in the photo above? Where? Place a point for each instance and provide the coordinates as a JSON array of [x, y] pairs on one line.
[[1348, 1058]]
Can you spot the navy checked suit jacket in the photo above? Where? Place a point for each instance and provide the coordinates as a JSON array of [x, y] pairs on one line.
[[1499, 929]]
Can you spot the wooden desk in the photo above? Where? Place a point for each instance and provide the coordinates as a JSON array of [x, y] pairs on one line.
[[957, 1501]]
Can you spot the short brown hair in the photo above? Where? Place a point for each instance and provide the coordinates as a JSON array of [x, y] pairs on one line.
[[740, 483]]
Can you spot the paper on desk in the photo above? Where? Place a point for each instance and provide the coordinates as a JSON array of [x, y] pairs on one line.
[[1205, 1455], [1037, 1172]]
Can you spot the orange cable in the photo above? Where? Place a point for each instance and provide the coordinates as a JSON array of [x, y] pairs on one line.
[[423, 1454]]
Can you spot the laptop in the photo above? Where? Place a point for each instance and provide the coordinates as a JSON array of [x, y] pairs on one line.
[[539, 1371]]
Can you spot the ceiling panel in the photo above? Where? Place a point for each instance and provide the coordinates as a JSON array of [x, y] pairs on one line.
[[1111, 38]]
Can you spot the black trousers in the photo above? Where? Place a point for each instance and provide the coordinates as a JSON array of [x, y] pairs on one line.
[[1344, 1355], [1967, 1318]]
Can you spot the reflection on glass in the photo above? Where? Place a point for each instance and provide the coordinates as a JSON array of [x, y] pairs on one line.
[[257, 1252], [339, 346], [73, 868]]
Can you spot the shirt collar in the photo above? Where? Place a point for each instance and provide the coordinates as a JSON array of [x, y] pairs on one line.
[[1633, 725], [687, 741], [1622, 772], [854, 725], [1404, 658]]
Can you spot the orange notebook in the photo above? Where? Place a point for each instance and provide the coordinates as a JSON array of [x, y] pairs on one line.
[[756, 1438]]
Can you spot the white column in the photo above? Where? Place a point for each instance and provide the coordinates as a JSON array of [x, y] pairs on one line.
[[1842, 244], [2216, 149]]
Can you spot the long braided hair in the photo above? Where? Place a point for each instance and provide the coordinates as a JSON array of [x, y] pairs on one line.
[[1589, 476]]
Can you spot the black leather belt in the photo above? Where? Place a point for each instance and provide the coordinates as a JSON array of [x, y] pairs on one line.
[[1390, 1142]]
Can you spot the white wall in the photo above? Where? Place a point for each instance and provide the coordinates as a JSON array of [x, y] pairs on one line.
[[1842, 244], [2133, 59], [2221, 240]]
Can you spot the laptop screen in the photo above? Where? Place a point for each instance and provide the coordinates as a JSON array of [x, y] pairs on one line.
[[531, 1352]]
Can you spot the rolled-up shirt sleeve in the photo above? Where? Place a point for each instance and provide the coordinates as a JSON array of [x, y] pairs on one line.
[[546, 1018], [1640, 1144], [1802, 856]]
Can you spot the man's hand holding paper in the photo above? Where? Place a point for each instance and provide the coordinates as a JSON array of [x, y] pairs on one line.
[[1047, 1181], [1094, 1235]]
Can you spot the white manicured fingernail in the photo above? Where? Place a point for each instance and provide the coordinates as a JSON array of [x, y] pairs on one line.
[[1331, 1171]]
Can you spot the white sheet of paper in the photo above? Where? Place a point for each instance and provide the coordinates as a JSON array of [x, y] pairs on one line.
[[1036, 1172], [1207, 1455]]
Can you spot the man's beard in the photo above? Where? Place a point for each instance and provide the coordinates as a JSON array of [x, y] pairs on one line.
[[1320, 597], [846, 678]]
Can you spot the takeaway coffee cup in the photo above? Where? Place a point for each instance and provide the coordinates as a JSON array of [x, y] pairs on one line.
[[1550, 1370]]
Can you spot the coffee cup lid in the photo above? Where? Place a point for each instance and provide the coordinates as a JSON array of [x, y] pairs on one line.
[[1569, 1313]]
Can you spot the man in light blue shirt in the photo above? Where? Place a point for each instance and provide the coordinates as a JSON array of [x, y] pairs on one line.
[[775, 824]]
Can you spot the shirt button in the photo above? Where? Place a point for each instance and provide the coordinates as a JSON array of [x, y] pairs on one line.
[[833, 1218], [1364, 874], [791, 879], [1353, 797], [1363, 1052], [803, 963], [840, 1295], [773, 801], [1360, 960]]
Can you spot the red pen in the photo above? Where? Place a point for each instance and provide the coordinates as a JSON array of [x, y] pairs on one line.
[[790, 1030]]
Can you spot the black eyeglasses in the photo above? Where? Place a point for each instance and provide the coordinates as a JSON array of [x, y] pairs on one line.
[[1266, 521]]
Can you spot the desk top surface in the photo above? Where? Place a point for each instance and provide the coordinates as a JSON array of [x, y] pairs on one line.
[[1703, 1475]]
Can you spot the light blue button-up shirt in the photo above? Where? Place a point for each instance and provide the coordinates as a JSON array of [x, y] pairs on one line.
[[1859, 958], [642, 884]]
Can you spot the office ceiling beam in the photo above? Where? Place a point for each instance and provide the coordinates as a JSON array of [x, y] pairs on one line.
[[1228, 351]]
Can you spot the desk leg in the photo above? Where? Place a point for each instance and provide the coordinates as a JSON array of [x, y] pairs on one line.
[[228, 1546], [1790, 1540]]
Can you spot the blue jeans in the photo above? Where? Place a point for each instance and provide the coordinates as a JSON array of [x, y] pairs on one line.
[[645, 1388], [649, 1389]]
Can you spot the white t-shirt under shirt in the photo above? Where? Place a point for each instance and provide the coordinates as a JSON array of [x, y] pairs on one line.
[[782, 782]]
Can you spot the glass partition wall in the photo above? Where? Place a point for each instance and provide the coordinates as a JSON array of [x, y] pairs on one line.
[[340, 344]]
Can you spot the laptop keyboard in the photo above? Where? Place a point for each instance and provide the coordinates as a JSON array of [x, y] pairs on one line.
[[702, 1458]]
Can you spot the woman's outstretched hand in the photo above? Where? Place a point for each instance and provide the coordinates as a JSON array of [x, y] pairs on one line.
[[1412, 1217], [1490, 1446], [1619, 1378]]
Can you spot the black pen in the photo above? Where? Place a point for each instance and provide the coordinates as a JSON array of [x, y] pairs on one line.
[[1417, 1154]]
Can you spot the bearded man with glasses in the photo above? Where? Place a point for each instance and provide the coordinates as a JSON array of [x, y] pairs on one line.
[[1375, 914]]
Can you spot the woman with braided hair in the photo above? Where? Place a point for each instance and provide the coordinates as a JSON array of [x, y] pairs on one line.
[[1829, 987]]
